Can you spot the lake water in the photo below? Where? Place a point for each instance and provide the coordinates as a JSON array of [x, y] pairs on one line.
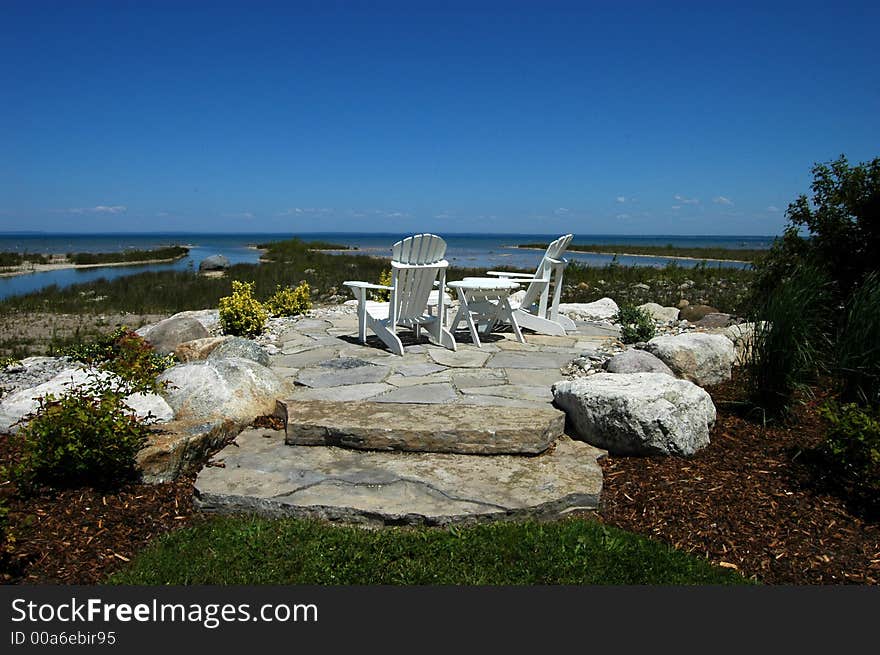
[[466, 250]]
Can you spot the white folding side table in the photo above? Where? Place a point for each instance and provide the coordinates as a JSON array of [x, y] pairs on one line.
[[484, 301]]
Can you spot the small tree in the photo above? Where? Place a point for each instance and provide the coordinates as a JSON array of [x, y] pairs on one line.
[[842, 226]]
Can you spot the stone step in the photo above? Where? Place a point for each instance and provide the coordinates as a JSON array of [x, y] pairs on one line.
[[260, 474], [437, 428]]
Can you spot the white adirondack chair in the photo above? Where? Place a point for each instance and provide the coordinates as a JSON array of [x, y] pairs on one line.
[[533, 311], [417, 267]]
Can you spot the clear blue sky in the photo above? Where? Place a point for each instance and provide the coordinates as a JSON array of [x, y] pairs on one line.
[[591, 117]]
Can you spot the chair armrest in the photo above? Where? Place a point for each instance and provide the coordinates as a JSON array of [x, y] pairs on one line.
[[366, 285]]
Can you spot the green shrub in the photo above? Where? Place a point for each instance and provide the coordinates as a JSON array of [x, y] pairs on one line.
[[636, 324], [858, 344], [852, 450], [125, 353], [383, 295], [791, 339], [288, 301], [241, 314], [85, 437]]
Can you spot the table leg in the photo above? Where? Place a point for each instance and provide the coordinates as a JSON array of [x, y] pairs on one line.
[[464, 313], [507, 312]]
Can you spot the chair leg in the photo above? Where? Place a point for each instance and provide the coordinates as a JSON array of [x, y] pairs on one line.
[[439, 335], [388, 337]]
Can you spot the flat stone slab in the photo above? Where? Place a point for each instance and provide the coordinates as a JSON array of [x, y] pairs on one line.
[[421, 428], [343, 394], [458, 358], [331, 376], [264, 476], [423, 394], [542, 360]]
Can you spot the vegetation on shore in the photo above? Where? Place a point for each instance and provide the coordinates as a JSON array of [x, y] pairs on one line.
[[725, 254], [250, 550], [127, 256], [14, 259]]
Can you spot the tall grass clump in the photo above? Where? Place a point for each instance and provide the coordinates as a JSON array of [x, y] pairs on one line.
[[857, 352], [790, 340]]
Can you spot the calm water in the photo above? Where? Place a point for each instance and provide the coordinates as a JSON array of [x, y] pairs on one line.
[[468, 250]]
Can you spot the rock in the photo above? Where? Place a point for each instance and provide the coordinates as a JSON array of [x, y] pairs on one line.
[[714, 320], [701, 358], [209, 318], [18, 405], [743, 337], [181, 447], [604, 309], [197, 349], [421, 428], [694, 313], [232, 388], [213, 263], [265, 476], [30, 372], [638, 413], [682, 303], [167, 335], [240, 347], [637, 361], [660, 313], [641, 286]]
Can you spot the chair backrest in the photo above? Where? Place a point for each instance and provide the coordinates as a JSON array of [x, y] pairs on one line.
[[416, 263], [545, 269]]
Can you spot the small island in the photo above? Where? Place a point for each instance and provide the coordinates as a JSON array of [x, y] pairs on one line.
[[13, 263]]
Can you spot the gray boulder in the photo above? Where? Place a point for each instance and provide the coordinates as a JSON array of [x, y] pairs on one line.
[[660, 313], [638, 413], [213, 264], [694, 313], [231, 388], [701, 358], [167, 335], [714, 320], [240, 347], [197, 349], [604, 309], [637, 361], [16, 406]]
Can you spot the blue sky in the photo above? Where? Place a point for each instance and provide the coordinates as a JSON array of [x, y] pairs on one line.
[[605, 117]]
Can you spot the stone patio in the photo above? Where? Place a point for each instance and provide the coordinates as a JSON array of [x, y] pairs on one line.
[[490, 441]]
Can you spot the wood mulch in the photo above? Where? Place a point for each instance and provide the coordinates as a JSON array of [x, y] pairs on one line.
[[748, 501]]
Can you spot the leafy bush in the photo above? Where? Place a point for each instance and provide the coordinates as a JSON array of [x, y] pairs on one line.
[[636, 324], [858, 344], [288, 301], [241, 314], [87, 436], [791, 339], [852, 450], [842, 222], [126, 354], [383, 295]]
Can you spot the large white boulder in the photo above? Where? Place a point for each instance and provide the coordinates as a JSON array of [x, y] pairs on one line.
[[704, 359], [604, 309], [16, 406], [230, 388], [638, 413]]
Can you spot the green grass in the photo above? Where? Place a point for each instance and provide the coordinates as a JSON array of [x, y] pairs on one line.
[[734, 254], [250, 550]]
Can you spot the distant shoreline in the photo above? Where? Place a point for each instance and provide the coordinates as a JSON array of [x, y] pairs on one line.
[[30, 267], [630, 254]]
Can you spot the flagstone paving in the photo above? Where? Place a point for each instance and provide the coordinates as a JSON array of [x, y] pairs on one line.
[[468, 396]]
